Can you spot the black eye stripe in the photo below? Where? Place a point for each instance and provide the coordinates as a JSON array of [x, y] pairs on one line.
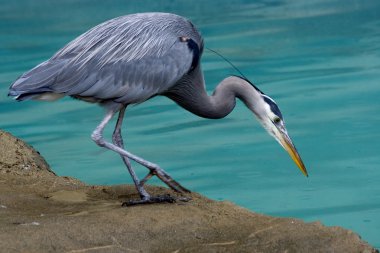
[[273, 107]]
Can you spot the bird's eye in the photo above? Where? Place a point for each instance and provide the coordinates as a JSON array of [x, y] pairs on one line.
[[276, 120]]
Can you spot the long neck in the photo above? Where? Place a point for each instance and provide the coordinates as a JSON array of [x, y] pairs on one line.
[[193, 97]]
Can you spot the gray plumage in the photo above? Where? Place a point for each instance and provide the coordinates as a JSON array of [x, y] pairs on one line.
[[110, 61], [133, 58]]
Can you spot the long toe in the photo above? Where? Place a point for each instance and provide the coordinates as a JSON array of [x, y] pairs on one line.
[[155, 199]]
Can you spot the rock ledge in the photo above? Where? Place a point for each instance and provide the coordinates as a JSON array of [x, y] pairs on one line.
[[41, 212]]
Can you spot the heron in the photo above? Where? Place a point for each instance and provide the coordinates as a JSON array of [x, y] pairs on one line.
[[133, 58]]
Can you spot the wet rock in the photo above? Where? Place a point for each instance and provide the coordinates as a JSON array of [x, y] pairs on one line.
[[41, 212]]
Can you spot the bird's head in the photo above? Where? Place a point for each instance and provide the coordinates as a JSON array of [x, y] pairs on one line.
[[270, 116], [273, 121]]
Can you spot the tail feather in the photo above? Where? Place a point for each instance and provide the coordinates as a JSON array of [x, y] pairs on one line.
[[37, 81]]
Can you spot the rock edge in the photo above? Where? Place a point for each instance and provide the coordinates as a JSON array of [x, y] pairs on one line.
[[41, 212]]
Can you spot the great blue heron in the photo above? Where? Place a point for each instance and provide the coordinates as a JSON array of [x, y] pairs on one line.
[[130, 59]]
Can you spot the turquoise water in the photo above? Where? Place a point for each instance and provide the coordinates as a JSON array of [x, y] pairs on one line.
[[319, 59]]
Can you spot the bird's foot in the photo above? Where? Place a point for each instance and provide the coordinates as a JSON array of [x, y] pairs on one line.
[[156, 199], [164, 177]]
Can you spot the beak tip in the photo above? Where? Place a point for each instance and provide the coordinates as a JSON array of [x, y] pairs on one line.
[[305, 173], [288, 145]]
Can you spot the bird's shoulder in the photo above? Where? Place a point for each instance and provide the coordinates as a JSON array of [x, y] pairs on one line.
[[130, 38], [130, 58]]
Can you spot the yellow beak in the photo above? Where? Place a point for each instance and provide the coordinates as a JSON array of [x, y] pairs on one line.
[[288, 145]]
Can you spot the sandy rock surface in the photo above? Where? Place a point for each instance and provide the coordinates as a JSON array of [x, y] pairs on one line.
[[41, 212]]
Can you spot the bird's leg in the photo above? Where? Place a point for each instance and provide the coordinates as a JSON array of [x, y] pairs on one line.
[[97, 136], [157, 171], [118, 140]]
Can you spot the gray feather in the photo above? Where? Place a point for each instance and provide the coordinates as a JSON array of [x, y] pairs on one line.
[[127, 60]]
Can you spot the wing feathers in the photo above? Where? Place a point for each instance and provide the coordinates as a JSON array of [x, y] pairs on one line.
[[127, 59]]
